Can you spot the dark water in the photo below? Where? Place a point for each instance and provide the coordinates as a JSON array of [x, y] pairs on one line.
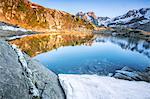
[[102, 55]]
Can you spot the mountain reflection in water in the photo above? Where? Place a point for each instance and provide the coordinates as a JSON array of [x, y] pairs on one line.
[[40, 43], [100, 56], [133, 44]]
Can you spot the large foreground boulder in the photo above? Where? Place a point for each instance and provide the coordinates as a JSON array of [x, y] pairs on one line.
[[15, 83]]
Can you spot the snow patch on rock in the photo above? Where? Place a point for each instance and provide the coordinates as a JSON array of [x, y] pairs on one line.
[[33, 90], [11, 28]]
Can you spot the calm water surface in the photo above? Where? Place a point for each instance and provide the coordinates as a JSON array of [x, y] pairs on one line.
[[101, 55]]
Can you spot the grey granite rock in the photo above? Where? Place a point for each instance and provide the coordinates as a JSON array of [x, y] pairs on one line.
[[45, 80], [15, 85]]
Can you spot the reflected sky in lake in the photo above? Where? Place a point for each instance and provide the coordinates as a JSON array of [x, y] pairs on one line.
[[100, 56]]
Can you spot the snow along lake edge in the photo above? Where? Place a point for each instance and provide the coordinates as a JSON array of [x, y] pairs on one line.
[[102, 87]]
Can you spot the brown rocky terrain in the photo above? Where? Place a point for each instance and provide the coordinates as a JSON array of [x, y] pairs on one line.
[[34, 17]]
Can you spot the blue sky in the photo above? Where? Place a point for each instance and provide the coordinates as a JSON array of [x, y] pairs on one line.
[[110, 8]]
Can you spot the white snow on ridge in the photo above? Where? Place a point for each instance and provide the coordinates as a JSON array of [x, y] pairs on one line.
[[147, 15], [126, 18], [143, 21], [11, 28], [102, 87]]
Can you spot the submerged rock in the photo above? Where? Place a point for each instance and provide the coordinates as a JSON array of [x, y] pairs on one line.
[[131, 74], [15, 84], [127, 69], [128, 75], [146, 74]]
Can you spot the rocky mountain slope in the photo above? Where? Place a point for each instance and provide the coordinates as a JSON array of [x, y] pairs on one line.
[[34, 17], [137, 19]]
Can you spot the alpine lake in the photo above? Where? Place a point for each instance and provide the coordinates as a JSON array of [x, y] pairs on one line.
[[99, 54]]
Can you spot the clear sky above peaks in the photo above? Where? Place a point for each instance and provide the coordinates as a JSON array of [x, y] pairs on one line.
[[110, 8]]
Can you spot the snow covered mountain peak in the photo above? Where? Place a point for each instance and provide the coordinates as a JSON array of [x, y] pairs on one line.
[[132, 19], [136, 19], [143, 12], [91, 16]]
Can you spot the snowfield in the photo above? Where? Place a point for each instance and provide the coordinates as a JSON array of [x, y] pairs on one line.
[[11, 28], [102, 87]]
